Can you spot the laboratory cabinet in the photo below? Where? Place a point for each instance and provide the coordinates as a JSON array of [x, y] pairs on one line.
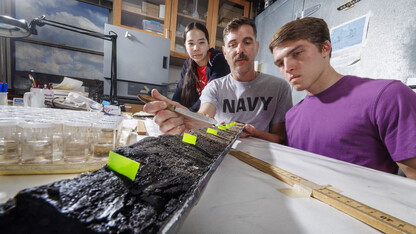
[[168, 18]]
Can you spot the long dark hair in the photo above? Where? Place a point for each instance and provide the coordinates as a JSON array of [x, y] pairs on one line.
[[189, 94]]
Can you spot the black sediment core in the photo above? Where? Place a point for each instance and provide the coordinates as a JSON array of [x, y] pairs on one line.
[[104, 201]]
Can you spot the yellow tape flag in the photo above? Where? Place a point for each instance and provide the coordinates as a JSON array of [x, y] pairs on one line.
[[222, 127], [228, 126], [188, 138], [212, 131], [123, 165]]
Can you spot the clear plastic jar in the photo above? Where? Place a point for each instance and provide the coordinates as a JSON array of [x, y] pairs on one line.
[[75, 138], [36, 141], [58, 143], [104, 135], [9, 142]]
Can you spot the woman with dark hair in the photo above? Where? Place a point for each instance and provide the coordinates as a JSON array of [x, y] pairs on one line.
[[202, 66]]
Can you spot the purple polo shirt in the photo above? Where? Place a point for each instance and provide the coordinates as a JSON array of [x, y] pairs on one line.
[[358, 120]]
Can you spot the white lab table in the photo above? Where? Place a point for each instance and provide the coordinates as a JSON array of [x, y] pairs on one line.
[[242, 199]]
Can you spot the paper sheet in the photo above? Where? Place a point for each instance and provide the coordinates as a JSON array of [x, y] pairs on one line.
[[152, 128], [69, 84], [348, 40]]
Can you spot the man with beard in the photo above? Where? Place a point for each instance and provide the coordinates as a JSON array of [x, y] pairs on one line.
[[244, 95]]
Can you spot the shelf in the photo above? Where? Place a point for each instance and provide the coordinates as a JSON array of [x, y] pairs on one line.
[[177, 54], [143, 15], [177, 58], [141, 30], [177, 15], [192, 18]]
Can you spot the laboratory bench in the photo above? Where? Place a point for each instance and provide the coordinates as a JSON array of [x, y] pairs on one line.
[[242, 199]]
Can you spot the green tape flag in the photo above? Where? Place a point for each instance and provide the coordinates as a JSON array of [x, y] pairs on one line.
[[222, 127], [232, 124], [188, 138], [228, 126], [123, 165], [212, 131]]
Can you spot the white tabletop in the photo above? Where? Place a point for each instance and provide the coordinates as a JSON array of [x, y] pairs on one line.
[[242, 199]]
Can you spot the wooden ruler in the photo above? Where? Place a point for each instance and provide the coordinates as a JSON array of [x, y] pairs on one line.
[[373, 217], [141, 128]]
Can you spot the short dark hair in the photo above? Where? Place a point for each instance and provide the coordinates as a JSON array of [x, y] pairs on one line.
[[235, 23], [314, 30]]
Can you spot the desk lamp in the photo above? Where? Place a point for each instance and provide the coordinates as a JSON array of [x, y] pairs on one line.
[[13, 28]]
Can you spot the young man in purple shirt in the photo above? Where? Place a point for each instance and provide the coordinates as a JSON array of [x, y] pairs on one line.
[[363, 121]]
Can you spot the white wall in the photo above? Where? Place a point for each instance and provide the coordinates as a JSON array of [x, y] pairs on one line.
[[390, 48]]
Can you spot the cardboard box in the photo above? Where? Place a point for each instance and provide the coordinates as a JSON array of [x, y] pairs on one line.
[[230, 12], [150, 9], [223, 22], [131, 7]]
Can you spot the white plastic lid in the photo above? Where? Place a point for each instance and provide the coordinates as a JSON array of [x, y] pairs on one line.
[[77, 123], [36, 124], [9, 122], [107, 125]]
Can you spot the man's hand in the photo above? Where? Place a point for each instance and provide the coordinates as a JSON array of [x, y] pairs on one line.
[[249, 130], [276, 134], [169, 122], [408, 167]]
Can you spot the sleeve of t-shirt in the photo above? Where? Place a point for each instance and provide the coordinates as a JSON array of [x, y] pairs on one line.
[[284, 102], [395, 115], [209, 94]]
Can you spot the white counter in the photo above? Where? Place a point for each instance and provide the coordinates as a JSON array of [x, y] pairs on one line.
[[241, 199]]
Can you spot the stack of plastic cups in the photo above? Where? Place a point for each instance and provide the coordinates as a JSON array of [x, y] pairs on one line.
[[9, 141], [57, 137], [116, 122], [103, 139], [90, 120], [40, 132], [36, 142], [75, 138]]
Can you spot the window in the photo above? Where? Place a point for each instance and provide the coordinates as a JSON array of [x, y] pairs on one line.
[[57, 51]]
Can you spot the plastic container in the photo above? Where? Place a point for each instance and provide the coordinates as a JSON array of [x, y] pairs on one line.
[[75, 141], [104, 135], [58, 143], [36, 142], [9, 142], [82, 101], [153, 26], [3, 99]]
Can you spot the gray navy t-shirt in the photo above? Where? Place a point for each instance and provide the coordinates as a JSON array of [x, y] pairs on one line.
[[260, 102]]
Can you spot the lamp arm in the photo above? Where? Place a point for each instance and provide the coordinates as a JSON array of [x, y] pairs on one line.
[[113, 85], [41, 21]]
